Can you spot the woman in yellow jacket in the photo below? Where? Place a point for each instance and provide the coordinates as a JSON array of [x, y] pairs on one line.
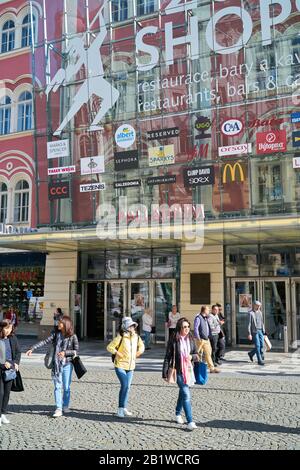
[[126, 347]]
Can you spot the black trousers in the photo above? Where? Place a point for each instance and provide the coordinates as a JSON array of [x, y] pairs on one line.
[[214, 346], [221, 348], [5, 388]]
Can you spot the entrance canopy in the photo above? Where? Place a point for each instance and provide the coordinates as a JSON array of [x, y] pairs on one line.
[[246, 231]]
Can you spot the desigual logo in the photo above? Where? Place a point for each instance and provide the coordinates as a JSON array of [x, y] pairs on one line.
[[125, 136], [232, 127]]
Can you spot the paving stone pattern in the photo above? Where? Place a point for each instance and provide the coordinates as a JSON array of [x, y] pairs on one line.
[[232, 411]]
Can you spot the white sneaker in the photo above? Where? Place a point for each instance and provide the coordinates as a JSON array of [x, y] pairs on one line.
[[179, 419], [191, 426], [127, 413], [121, 413], [58, 413], [66, 410], [4, 420]]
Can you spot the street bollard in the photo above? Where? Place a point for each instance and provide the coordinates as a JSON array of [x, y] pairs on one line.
[[113, 328], [285, 339]]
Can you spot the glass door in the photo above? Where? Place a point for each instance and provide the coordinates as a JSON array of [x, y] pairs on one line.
[[115, 306], [95, 308], [139, 299], [164, 298], [244, 292], [275, 308], [295, 320]]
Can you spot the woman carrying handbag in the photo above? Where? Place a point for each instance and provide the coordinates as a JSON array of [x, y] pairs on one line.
[[181, 351], [66, 347], [10, 356]]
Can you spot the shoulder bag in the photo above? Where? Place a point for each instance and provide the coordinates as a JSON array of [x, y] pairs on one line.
[[79, 368]]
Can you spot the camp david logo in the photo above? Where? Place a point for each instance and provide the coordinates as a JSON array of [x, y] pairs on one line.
[[125, 136], [232, 127]]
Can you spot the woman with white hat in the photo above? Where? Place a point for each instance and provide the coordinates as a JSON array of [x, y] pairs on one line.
[[125, 348]]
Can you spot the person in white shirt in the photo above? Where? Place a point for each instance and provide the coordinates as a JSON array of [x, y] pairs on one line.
[[147, 326], [173, 318]]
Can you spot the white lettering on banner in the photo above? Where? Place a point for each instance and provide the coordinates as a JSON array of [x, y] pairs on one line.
[[92, 187], [234, 150], [61, 169], [148, 56]]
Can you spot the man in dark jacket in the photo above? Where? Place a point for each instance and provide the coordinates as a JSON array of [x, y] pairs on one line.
[[202, 333]]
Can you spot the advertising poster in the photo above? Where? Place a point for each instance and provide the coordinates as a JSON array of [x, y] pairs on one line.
[[245, 303]]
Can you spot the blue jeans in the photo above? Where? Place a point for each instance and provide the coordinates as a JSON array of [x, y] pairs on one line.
[[184, 399], [125, 377], [63, 381], [258, 339], [147, 335]]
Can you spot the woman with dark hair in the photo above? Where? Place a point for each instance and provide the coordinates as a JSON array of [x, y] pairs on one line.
[[10, 356], [181, 351], [66, 346]]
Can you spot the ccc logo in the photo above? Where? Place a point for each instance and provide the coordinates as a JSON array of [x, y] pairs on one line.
[[59, 190]]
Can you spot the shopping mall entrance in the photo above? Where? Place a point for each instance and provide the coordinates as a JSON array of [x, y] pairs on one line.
[[99, 305], [280, 299]]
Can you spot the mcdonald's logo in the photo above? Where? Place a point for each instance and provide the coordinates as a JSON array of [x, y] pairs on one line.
[[233, 169]]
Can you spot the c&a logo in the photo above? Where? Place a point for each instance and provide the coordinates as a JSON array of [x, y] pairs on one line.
[[59, 190], [234, 169], [232, 127]]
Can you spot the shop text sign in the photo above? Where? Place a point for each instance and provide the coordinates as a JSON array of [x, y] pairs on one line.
[[296, 162], [163, 155], [127, 184], [238, 149], [126, 160], [61, 169], [58, 149], [200, 176], [270, 142], [166, 179], [92, 165], [163, 133], [60, 190], [86, 188]]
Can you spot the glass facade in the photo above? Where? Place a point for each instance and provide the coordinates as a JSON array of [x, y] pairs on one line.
[[225, 93]]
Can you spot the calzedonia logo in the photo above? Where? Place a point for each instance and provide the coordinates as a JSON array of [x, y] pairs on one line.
[[125, 136]]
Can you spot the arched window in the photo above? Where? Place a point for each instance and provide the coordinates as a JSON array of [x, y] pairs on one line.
[[5, 114], [8, 36], [3, 202], [21, 204], [27, 32], [25, 111]]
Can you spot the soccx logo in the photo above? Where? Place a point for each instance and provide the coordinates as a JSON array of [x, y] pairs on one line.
[[272, 13], [231, 127]]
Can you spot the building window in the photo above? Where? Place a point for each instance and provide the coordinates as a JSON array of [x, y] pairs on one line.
[[119, 10], [5, 114], [21, 206], [8, 36], [27, 32], [3, 202], [25, 111], [144, 7]]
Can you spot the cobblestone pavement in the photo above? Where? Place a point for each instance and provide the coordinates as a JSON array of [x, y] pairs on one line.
[[235, 410]]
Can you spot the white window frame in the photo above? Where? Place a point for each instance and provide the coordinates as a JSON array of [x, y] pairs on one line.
[[21, 194], [3, 109], [8, 32], [3, 195], [22, 107]]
